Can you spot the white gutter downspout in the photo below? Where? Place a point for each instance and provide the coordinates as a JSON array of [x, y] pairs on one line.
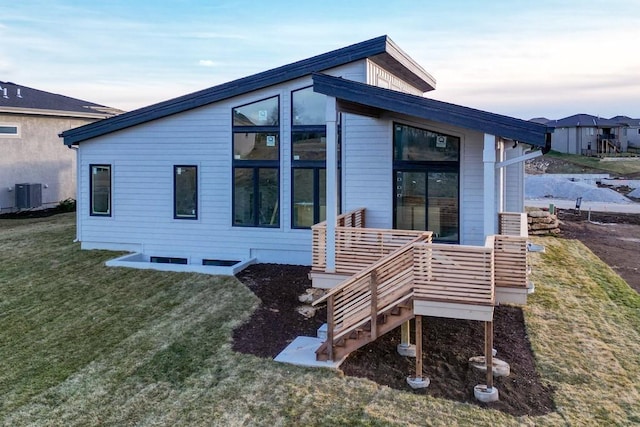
[[78, 177]]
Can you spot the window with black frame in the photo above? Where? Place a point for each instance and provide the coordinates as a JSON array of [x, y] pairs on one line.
[[100, 185], [185, 192], [308, 158], [426, 174], [256, 164]]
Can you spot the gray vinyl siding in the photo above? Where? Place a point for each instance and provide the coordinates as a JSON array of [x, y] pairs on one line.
[[514, 181], [472, 189], [367, 176], [142, 159]]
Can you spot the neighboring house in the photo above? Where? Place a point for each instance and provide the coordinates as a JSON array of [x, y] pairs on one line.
[[241, 171], [588, 135], [631, 131], [30, 121]]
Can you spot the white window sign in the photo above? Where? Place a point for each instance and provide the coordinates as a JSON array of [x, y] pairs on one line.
[[271, 141]]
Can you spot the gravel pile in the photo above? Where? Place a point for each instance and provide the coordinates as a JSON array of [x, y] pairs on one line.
[[548, 186]]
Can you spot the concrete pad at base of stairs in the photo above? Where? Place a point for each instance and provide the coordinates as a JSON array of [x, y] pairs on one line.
[[302, 352]]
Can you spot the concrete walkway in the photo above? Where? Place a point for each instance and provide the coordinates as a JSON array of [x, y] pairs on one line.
[[585, 205]]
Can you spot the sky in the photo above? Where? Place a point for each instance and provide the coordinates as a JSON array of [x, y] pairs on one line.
[[519, 58]]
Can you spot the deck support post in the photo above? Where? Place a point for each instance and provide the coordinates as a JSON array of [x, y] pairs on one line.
[[330, 326], [488, 352], [487, 392], [418, 346], [373, 283], [405, 348], [419, 380], [332, 183]]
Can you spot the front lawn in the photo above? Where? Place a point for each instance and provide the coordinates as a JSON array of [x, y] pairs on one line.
[[82, 344]]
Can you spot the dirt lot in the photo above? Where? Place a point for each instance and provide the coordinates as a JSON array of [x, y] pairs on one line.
[[615, 238]]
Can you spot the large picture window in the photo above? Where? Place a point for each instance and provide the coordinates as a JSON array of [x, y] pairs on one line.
[[426, 176], [256, 164], [185, 192], [100, 190], [308, 157]]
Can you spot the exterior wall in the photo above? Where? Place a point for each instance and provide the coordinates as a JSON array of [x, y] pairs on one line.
[[514, 180], [142, 159], [573, 140], [633, 136], [37, 155], [378, 76], [368, 172]]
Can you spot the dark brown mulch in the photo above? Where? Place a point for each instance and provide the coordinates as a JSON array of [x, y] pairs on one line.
[[39, 213], [448, 345]]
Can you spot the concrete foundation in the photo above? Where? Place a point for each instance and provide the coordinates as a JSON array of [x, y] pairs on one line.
[[500, 368], [485, 394], [406, 350], [416, 383]]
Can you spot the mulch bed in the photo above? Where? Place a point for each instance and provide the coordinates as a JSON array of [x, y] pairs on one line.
[[448, 345]]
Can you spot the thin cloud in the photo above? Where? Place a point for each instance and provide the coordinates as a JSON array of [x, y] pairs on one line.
[[206, 63]]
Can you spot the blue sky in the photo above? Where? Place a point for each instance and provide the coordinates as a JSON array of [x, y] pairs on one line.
[[520, 58]]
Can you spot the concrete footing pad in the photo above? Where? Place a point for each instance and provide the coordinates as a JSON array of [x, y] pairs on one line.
[[485, 394], [302, 352], [500, 368], [406, 350], [416, 382]]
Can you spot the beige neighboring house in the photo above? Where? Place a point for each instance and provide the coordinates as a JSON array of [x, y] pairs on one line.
[[36, 171]]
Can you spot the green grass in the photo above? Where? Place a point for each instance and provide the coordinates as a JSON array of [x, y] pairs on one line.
[[82, 344], [584, 164]]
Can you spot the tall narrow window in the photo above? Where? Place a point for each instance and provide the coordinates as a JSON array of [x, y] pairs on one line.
[[185, 192], [426, 176], [309, 155], [256, 164], [100, 185]]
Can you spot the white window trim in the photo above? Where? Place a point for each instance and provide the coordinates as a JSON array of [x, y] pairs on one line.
[[11, 135]]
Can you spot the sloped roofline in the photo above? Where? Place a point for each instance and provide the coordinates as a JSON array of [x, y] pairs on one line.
[[429, 109], [380, 50]]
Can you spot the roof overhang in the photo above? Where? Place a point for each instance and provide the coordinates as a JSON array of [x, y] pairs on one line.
[[380, 50], [56, 113], [370, 100]]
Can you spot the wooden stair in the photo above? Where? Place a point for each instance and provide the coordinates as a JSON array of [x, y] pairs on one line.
[[364, 334]]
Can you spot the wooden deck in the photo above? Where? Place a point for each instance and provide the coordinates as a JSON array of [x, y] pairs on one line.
[[398, 274]]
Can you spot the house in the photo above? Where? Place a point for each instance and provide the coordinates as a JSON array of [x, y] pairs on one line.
[[589, 135], [631, 131], [240, 172], [338, 162], [35, 170]]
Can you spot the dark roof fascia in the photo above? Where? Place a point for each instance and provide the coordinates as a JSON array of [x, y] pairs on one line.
[[345, 55], [429, 109]]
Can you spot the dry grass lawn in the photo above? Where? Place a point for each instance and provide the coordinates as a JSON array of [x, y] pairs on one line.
[[82, 344]]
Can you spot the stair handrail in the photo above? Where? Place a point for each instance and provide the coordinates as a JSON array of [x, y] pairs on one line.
[[424, 237]]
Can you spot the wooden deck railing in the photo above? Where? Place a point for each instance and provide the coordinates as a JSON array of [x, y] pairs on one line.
[[372, 291], [512, 224], [420, 270], [357, 247], [510, 256], [453, 273]]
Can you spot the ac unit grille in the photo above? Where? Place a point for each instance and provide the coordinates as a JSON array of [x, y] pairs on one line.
[[28, 196]]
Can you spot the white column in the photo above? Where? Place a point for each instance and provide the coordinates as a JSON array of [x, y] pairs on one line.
[[501, 189], [489, 160], [332, 183]]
